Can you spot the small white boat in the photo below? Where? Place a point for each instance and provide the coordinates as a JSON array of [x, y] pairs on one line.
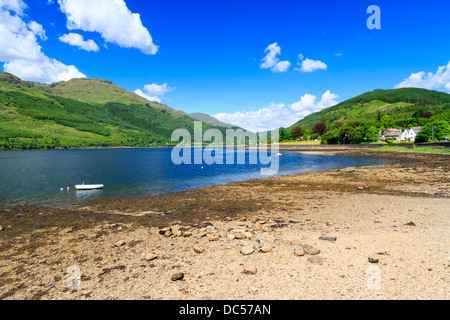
[[278, 155], [88, 186]]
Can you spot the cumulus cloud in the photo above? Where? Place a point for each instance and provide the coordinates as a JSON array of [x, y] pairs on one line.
[[20, 51], [37, 29], [154, 92], [271, 117], [431, 81], [309, 65], [112, 19], [278, 115], [308, 102], [18, 6], [281, 66], [44, 70], [270, 61], [77, 40]]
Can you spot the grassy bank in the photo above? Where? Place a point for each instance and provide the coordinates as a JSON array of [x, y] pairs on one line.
[[427, 150]]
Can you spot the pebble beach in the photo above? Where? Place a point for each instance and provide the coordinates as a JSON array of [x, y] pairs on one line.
[[378, 232]]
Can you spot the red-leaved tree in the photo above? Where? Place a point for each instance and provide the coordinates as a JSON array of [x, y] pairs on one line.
[[319, 128]]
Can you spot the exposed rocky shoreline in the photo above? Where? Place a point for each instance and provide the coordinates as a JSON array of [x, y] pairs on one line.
[[321, 235]]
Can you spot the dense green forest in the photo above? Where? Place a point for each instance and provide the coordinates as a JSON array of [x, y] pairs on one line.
[[360, 119]]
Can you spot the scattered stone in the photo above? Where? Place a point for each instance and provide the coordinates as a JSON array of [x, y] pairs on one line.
[[201, 234], [119, 243], [164, 230], [183, 291], [240, 235], [315, 260], [187, 234], [149, 256], [373, 260], [310, 250], [266, 248], [327, 238], [205, 224], [2, 228], [248, 235], [199, 249], [212, 237], [247, 250], [177, 276], [250, 270], [260, 240], [410, 224], [300, 251], [168, 233], [295, 243], [231, 236], [360, 188]]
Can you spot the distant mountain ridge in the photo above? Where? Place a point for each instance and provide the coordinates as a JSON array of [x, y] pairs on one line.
[[212, 121]]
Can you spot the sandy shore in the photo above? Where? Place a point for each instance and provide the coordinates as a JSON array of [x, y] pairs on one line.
[[246, 240]]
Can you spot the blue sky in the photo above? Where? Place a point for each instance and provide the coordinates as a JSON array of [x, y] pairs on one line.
[[258, 64]]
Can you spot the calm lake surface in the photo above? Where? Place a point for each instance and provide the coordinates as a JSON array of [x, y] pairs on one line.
[[36, 177]]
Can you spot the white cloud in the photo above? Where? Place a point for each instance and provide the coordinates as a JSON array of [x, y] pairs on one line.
[[75, 39], [271, 117], [328, 100], [112, 19], [18, 6], [37, 29], [431, 81], [308, 102], [281, 66], [278, 115], [270, 61], [154, 92], [44, 70], [21, 52], [309, 65]]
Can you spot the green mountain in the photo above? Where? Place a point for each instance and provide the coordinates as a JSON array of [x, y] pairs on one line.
[[83, 113], [359, 120], [399, 104]]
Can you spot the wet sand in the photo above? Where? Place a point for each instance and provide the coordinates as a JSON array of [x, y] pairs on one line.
[[397, 213]]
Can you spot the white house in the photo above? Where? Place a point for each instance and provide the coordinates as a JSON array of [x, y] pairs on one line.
[[409, 134]]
